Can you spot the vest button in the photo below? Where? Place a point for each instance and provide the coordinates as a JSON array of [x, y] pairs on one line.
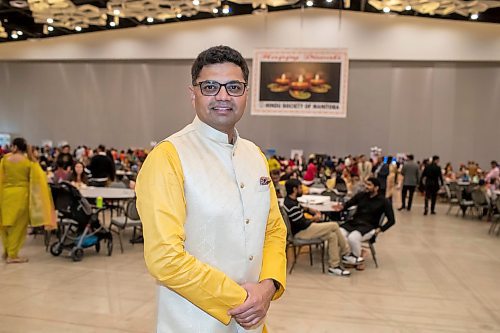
[[242, 185], [247, 221], [250, 258]]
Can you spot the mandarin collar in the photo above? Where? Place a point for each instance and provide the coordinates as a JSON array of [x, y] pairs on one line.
[[212, 133]]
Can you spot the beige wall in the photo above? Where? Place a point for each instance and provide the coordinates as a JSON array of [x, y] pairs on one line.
[[415, 84], [451, 109]]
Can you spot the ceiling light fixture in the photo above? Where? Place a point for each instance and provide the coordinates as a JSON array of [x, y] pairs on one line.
[[386, 10], [112, 24], [474, 16], [329, 1], [215, 10], [150, 19], [14, 35], [179, 15], [309, 3], [196, 2], [50, 20], [50, 28], [78, 28], [19, 32], [408, 7], [226, 9], [116, 12]]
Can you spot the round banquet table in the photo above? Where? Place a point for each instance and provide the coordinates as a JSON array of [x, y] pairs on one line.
[[107, 193]]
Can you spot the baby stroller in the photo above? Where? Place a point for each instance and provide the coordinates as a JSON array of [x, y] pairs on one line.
[[78, 226]]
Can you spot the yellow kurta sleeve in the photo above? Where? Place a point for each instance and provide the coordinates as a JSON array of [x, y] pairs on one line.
[[162, 208], [274, 253], [2, 159]]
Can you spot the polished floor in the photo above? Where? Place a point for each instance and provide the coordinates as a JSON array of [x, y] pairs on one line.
[[437, 274]]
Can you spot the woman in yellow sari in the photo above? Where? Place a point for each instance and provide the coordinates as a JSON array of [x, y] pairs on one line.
[[24, 199]]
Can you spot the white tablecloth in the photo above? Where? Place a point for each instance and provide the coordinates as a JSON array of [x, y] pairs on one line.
[[107, 193]]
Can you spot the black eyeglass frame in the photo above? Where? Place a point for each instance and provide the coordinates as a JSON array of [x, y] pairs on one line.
[[245, 85]]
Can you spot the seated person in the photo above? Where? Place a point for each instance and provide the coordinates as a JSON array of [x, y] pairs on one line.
[[365, 222], [278, 186], [309, 228], [78, 177], [61, 174]]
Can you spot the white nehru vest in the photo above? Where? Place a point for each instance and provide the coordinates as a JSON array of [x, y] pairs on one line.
[[227, 212]]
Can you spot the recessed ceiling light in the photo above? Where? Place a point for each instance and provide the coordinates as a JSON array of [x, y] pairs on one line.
[[226, 9], [196, 2], [474, 16], [112, 24], [78, 28], [50, 28], [309, 3], [179, 15], [215, 10], [19, 32], [408, 7], [50, 20], [14, 35], [386, 9], [329, 1], [116, 12], [150, 20]]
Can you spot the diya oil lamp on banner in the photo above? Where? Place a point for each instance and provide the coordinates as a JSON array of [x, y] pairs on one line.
[[302, 87]]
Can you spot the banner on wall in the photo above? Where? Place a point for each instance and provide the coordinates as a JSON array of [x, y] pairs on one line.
[[300, 82]]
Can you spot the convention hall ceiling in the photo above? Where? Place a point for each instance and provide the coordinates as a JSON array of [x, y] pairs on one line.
[[25, 19]]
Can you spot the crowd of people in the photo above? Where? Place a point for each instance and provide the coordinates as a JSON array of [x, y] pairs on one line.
[[352, 175], [402, 176], [85, 166], [369, 184]]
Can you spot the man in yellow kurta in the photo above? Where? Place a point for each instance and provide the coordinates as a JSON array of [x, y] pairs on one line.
[[213, 234]]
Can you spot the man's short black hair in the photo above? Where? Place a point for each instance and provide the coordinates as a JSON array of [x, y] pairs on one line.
[[494, 163], [411, 157], [374, 181], [435, 158], [291, 184], [218, 55]]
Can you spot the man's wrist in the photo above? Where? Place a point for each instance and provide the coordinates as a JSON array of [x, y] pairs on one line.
[[271, 285]]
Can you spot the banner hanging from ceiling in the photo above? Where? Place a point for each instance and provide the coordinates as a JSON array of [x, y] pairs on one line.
[[300, 82]]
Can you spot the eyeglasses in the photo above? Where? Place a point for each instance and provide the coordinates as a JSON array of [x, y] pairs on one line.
[[212, 88]]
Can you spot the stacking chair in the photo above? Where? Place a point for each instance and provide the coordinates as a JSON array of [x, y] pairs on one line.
[[371, 241], [464, 203], [131, 219], [296, 244], [480, 202], [496, 218], [452, 198]]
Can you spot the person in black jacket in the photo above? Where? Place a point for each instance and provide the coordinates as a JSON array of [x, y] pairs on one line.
[[432, 180], [102, 168], [371, 204]]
